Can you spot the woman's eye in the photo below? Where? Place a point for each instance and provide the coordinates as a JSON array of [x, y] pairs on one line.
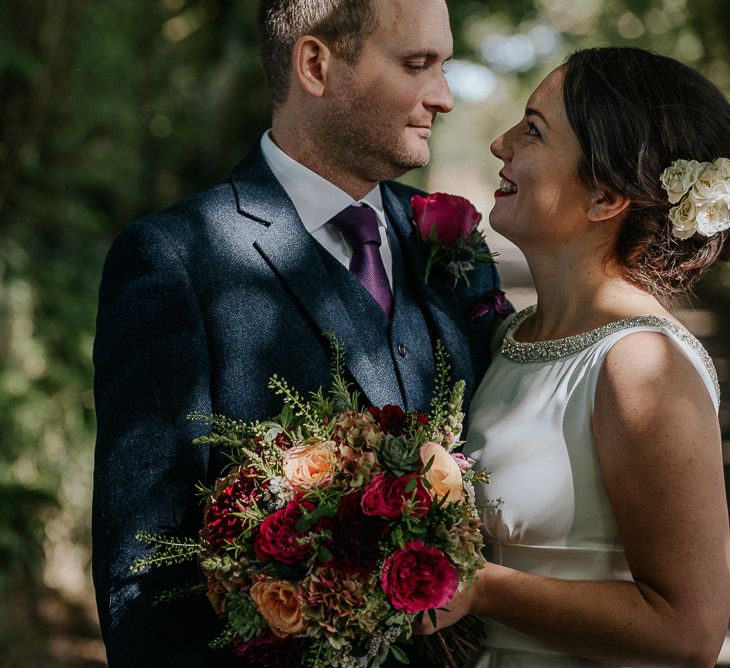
[[532, 130]]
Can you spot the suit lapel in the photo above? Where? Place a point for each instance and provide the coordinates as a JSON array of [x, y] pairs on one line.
[[291, 253], [441, 306]]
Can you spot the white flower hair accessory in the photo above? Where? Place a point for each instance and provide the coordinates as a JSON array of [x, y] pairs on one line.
[[701, 193]]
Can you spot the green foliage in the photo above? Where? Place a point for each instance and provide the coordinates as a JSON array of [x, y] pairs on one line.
[[439, 403], [167, 551], [23, 511], [110, 110], [177, 593]]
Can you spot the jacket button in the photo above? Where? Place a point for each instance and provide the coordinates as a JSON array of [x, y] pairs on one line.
[[402, 350]]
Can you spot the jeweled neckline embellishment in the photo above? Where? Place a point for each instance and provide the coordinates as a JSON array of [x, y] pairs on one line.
[[547, 351]]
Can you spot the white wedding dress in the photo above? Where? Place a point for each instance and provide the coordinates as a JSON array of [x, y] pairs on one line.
[[531, 428]]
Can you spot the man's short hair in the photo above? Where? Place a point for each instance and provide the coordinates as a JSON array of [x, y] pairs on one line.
[[342, 24]]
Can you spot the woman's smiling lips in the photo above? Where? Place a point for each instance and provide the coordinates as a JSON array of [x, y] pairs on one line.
[[506, 187]]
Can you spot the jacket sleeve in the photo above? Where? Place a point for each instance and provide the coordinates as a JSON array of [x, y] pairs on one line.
[[151, 369]]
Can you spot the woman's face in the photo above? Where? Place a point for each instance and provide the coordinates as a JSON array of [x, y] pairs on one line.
[[541, 197]]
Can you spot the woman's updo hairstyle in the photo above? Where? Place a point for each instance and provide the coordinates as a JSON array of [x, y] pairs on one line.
[[635, 112]]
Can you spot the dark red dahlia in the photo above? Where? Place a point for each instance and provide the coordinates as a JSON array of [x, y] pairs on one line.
[[221, 526], [392, 419]]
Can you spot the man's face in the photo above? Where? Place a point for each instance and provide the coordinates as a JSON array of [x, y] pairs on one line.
[[378, 115]]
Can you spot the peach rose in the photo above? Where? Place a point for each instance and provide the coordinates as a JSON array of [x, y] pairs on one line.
[[444, 473], [278, 604], [310, 465]]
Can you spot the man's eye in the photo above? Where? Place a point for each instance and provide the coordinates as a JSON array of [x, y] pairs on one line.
[[416, 66]]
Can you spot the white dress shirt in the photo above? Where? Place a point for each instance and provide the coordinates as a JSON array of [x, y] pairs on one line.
[[317, 201]]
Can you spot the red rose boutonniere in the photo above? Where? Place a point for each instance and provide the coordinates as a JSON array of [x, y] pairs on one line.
[[448, 223]]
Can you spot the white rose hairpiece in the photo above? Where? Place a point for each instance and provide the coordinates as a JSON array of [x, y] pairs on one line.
[[701, 193]]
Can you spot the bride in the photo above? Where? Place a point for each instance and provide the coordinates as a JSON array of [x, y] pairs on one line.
[[598, 416]]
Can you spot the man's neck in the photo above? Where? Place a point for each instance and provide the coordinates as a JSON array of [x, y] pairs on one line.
[[305, 151]]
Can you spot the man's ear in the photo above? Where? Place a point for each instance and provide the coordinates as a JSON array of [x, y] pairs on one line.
[[311, 59], [606, 204]]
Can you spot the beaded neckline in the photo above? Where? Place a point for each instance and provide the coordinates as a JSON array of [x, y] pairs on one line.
[[547, 351]]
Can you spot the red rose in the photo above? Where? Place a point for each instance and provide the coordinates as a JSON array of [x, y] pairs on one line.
[[421, 418], [450, 216], [418, 577], [221, 525], [278, 538], [385, 497], [391, 419]]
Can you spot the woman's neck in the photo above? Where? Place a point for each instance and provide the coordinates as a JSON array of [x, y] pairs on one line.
[[576, 295]]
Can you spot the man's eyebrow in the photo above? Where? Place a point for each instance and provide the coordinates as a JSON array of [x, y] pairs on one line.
[[530, 111], [428, 55]]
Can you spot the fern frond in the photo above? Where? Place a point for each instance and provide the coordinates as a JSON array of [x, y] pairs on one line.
[[177, 593], [168, 550], [224, 425], [440, 401], [292, 398], [224, 638]]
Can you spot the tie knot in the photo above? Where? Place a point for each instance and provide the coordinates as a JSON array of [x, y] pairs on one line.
[[359, 225]]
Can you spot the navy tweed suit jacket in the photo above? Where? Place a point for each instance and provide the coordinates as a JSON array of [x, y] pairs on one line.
[[199, 305]]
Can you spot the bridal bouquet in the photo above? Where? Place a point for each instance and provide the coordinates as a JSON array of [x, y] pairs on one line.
[[335, 527]]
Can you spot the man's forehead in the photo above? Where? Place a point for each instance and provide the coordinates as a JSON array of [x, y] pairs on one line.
[[414, 26], [393, 13]]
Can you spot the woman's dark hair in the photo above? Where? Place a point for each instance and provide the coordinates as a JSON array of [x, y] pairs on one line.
[[634, 112]]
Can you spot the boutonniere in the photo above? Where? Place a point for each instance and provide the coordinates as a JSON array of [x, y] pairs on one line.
[[448, 225]]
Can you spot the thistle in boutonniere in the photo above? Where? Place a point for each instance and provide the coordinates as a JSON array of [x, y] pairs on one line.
[[449, 225]]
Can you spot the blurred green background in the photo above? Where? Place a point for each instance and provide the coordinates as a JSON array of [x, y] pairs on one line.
[[110, 109]]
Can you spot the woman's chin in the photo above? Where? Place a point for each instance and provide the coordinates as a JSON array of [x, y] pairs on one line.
[[500, 226]]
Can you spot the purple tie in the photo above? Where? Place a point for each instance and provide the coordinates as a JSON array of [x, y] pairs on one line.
[[359, 226]]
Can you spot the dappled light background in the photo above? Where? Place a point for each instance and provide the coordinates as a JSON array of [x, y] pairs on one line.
[[113, 109]]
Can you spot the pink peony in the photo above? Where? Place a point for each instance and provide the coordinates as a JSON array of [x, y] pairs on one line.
[[450, 216], [385, 497], [418, 577]]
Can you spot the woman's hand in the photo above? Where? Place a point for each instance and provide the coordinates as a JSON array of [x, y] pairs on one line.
[[459, 606]]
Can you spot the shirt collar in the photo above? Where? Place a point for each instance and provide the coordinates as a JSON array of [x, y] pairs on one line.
[[314, 197]]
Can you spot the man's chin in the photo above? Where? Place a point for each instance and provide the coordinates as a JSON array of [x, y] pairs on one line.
[[414, 159]]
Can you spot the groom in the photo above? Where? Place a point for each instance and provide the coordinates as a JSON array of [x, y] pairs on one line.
[[200, 304]]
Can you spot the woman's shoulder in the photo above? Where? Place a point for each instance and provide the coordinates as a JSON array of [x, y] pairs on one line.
[[651, 355]]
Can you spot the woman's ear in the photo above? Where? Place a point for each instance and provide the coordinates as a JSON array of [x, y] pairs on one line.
[[606, 204], [311, 59]]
